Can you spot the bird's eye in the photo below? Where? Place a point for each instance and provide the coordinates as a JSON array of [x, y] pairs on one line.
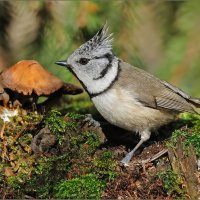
[[83, 61]]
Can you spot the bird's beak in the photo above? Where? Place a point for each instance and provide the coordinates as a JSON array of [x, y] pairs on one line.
[[63, 63]]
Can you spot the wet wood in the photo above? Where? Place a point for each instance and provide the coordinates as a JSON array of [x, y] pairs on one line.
[[184, 163]]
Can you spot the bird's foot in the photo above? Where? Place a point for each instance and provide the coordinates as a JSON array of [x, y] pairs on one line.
[[125, 161], [91, 121]]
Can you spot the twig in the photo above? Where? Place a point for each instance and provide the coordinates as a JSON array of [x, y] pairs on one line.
[[19, 134], [154, 157], [2, 131]]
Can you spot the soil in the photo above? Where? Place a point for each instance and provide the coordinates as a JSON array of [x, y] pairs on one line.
[[139, 181]]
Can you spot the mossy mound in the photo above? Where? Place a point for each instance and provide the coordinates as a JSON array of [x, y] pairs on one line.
[[63, 157]]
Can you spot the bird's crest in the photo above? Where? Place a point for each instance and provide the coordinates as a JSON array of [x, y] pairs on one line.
[[101, 41]]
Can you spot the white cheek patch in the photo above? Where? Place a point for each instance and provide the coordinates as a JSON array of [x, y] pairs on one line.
[[99, 85], [101, 69]]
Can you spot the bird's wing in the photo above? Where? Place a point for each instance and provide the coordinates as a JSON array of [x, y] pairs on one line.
[[172, 98], [152, 92], [168, 99]]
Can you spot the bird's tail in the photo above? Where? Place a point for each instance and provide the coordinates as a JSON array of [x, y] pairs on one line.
[[195, 101], [188, 98]]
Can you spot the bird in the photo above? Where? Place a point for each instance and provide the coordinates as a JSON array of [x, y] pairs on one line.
[[126, 96]]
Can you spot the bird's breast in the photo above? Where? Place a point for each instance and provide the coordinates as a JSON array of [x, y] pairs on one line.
[[120, 108]]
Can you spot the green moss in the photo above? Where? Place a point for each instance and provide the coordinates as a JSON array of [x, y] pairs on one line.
[[59, 125], [84, 187], [73, 156], [85, 143], [193, 119], [25, 139], [46, 174], [194, 140], [15, 182], [105, 166], [190, 138], [190, 135], [74, 116], [32, 117], [172, 183], [50, 171], [54, 120]]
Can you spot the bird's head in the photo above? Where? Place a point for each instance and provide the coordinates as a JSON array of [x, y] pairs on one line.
[[92, 60]]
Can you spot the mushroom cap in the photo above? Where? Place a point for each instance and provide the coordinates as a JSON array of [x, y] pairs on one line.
[[28, 76]]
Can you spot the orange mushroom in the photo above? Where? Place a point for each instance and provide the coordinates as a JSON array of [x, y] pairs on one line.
[[28, 77]]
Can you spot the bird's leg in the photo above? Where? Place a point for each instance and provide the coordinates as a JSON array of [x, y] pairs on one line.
[[145, 135], [128, 156]]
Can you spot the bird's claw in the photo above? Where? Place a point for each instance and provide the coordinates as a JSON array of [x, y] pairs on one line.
[[91, 122]]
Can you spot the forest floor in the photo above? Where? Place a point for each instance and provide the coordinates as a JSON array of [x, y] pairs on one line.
[[143, 179], [66, 157]]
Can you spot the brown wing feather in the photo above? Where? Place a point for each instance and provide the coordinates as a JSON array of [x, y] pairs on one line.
[[152, 92], [195, 101], [172, 101]]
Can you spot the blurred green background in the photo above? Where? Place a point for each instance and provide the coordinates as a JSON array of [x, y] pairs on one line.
[[162, 37]]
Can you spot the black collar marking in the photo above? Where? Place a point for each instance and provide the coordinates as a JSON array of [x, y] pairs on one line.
[[111, 84], [109, 65]]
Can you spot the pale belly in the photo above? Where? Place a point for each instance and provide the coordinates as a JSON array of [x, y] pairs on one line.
[[121, 109]]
